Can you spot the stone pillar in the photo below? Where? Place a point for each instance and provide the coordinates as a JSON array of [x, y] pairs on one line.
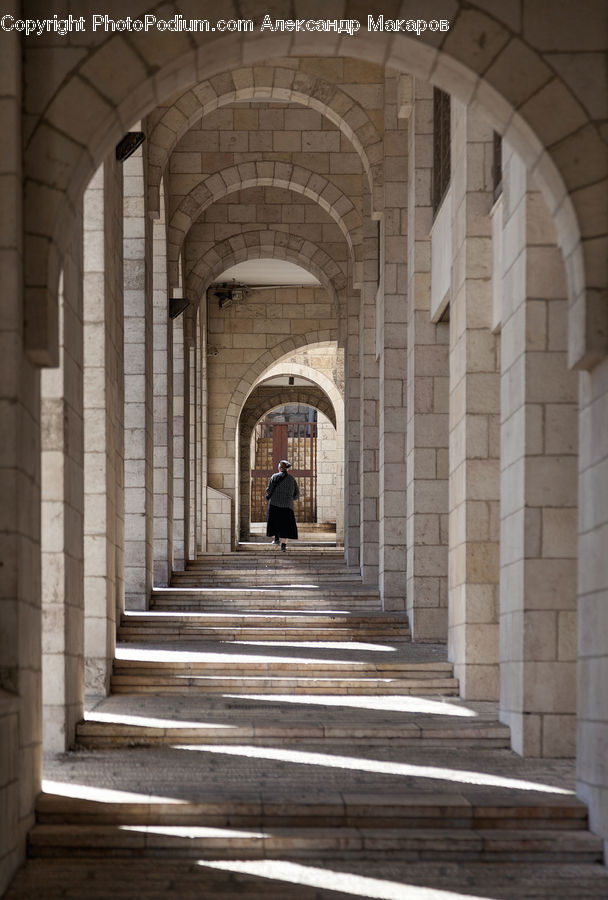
[[137, 246], [391, 343], [328, 493], [369, 418], [474, 416], [199, 413], [179, 445], [103, 422], [538, 480], [162, 406], [592, 732], [204, 396], [427, 394], [62, 489], [20, 618], [352, 436], [192, 484]]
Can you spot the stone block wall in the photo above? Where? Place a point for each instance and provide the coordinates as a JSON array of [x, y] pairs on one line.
[[103, 422], [427, 394], [11, 835], [20, 588], [328, 493], [180, 445], [474, 483], [538, 480], [391, 348], [162, 406], [62, 515], [138, 349], [219, 522], [592, 671]]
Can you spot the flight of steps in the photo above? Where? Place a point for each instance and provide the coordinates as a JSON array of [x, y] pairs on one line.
[[305, 595], [267, 714]]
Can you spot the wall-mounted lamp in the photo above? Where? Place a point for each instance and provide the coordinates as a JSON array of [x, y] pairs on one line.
[[177, 305], [227, 294], [129, 144]]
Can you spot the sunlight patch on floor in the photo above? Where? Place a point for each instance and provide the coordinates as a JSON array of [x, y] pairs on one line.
[[271, 588], [148, 721], [399, 704], [377, 767], [128, 652], [327, 879], [193, 831], [101, 795], [321, 645]]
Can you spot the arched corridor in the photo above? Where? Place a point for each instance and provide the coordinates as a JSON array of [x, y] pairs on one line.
[[421, 219]]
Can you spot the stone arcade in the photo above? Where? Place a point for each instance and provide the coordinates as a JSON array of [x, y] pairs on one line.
[[444, 196]]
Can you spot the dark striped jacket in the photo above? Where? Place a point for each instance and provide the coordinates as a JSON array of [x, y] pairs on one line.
[[285, 492]]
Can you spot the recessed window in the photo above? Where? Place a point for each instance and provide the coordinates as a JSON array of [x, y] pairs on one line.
[[441, 146], [497, 166]]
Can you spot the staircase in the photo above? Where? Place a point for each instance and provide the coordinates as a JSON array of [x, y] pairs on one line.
[[271, 732]]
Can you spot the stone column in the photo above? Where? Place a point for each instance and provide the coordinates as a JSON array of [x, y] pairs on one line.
[[179, 444], [62, 488], [352, 436], [328, 494], [538, 480], [474, 416], [20, 618], [204, 398], [391, 343], [427, 392], [162, 406], [199, 411], [192, 483], [369, 417], [137, 246], [103, 422], [592, 706]]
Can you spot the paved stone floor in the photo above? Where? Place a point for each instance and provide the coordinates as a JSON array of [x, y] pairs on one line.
[[295, 796], [281, 880]]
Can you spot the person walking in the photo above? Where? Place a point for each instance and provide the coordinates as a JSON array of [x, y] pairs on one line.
[[281, 491]]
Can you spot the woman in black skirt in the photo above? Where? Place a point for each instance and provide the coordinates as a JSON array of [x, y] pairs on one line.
[[282, 490]]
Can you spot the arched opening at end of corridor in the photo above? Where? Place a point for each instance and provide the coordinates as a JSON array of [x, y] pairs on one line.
[[289, 415], [290, 433]]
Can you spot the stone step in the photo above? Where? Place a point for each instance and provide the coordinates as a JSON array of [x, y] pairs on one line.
[[405, 810], [270, 556], [292, 619], [211, 842], [303, 547], [209, 663], [468, 735], [338, 600], [328, 879], [186, 633], [272, 574], [276, 684], [266, 578], [138, 627]]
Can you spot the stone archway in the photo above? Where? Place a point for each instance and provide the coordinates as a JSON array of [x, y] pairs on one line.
[[278, 174], [86, 110], [269, 245], [273, 82], [262, 400]]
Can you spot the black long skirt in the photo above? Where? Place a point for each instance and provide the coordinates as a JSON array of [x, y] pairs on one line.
[[281, 522]]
